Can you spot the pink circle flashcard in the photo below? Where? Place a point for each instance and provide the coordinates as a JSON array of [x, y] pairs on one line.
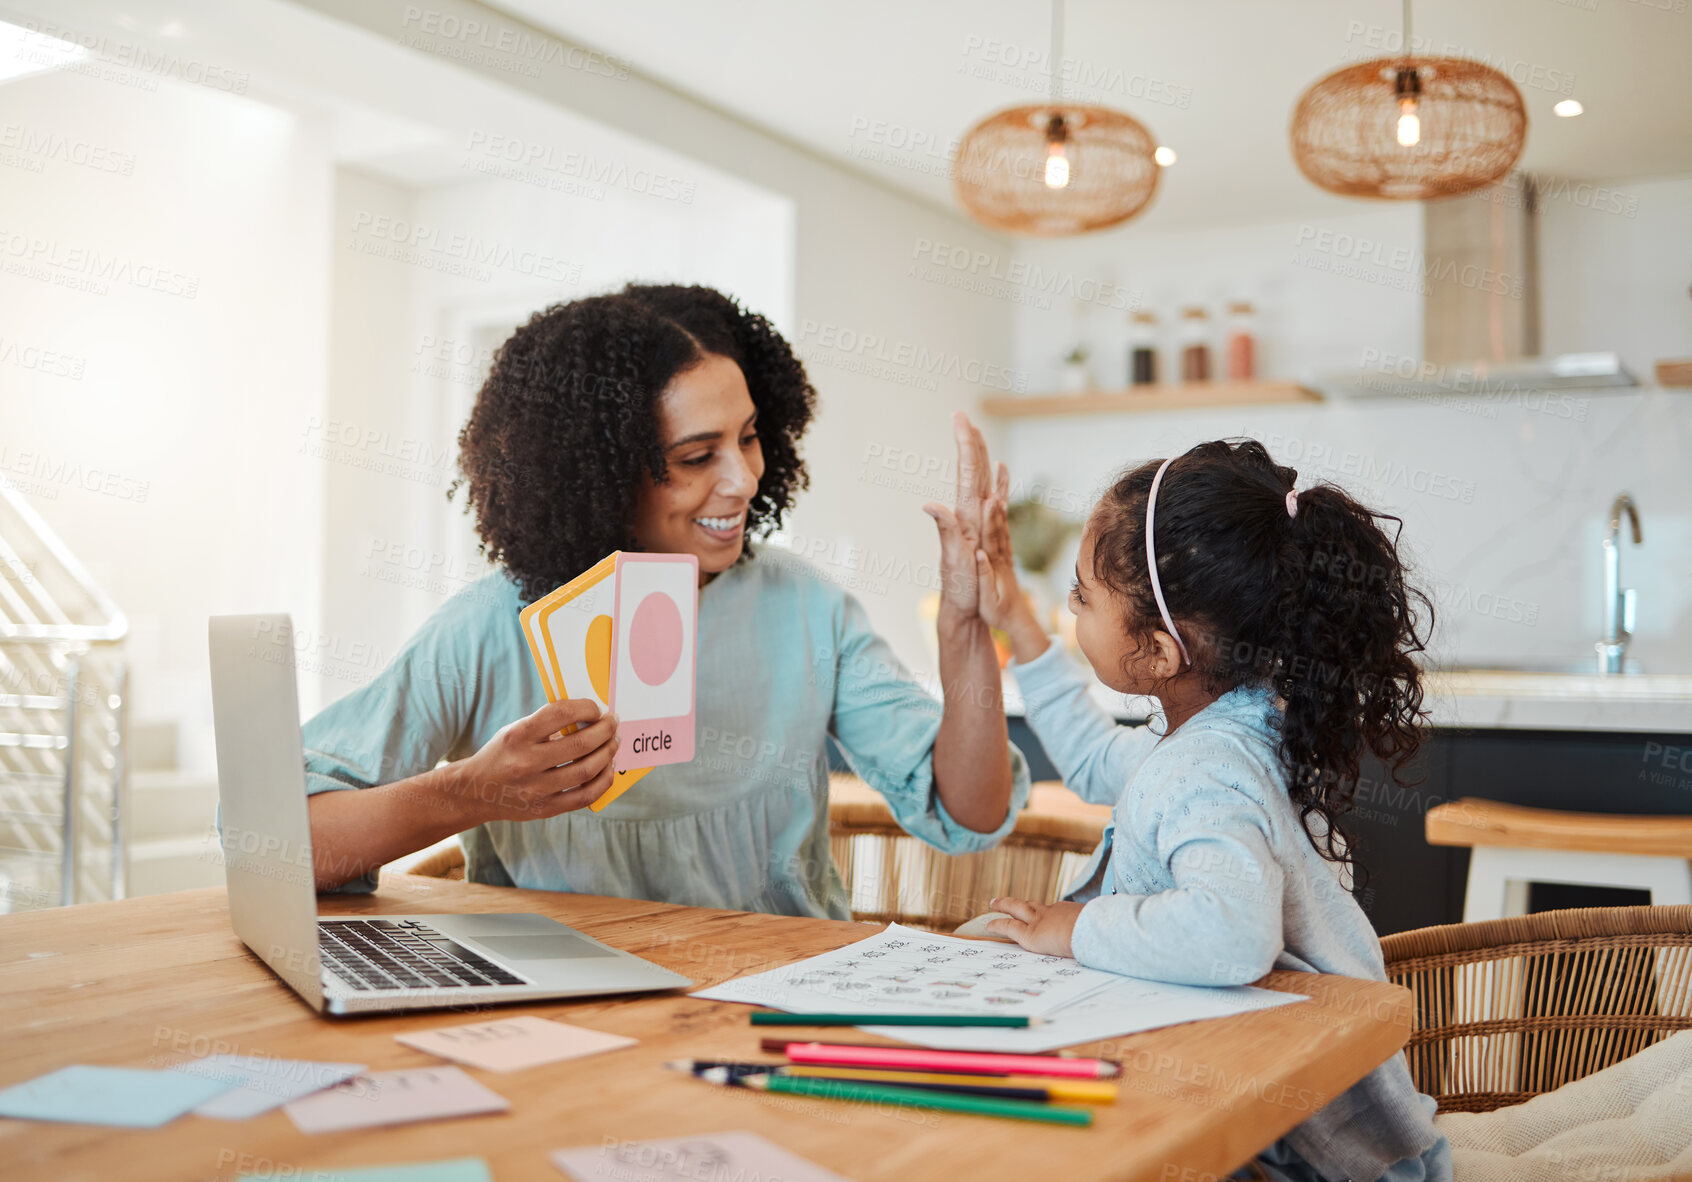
[[652, 662]]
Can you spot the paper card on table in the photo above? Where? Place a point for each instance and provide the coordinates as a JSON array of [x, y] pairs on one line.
[[126, 1096], [622, 634], [709, 1155], [903, 971], [512, 1044], [393, 1098], [1126, 1006], [458, 1169], [258, 1083]]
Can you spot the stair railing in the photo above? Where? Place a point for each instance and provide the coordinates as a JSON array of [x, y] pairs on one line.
[[64, 775]]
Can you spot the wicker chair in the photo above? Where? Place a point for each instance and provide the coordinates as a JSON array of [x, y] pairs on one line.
[[891, 877], [443, 863], [1511, 1008]]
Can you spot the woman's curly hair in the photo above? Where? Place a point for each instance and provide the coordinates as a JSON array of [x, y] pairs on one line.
[[566, 426], [1318, 607]]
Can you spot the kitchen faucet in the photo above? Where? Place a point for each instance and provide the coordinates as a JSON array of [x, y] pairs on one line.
[[1619, 605]]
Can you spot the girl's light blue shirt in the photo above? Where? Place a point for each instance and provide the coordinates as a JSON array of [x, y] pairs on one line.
[[1206, 876], [786, 659]]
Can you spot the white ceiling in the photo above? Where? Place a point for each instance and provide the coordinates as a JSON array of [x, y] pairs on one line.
[[1214, 79]]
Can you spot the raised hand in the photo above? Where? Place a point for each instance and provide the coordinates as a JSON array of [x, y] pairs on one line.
[[999, 598], [962, 527]]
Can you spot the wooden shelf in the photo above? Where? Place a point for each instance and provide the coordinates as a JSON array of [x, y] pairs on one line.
[[1185, 396]]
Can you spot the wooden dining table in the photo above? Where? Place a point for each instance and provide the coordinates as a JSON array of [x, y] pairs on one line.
[[160, 980]]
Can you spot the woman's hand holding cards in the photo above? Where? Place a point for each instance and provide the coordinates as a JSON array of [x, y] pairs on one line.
[[529, 770]]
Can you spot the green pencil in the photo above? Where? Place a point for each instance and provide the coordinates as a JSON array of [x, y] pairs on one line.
[[835, 1089], [778, 1018]]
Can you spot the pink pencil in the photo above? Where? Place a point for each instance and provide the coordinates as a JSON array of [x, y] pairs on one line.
[[978, 1062]]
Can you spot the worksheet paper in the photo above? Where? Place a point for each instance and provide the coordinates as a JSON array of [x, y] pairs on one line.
[[903, 971], [1125, 1006]]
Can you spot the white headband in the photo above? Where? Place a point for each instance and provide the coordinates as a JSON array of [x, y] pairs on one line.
[[1151, 560]]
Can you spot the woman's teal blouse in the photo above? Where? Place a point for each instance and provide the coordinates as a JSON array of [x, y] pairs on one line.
[[786, 658]]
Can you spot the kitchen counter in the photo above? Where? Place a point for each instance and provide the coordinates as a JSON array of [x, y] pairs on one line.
[[1514, 700], [1503, 699]]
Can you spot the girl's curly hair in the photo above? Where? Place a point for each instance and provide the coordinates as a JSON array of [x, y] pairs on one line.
[[566, 425], [1317, 607]]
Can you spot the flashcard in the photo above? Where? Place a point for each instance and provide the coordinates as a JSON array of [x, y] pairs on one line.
[[459, 1169], [127, 1096], [512, 1044], [622, 634], [653, 646], [708, 1155], [394, 1098], [258, 1083]]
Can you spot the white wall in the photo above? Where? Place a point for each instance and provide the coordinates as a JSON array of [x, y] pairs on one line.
[[169, 461], [1504, 500], [1617, 265]]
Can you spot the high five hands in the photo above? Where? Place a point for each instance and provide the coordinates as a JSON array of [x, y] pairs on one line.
[[978, 580], [977, 577]]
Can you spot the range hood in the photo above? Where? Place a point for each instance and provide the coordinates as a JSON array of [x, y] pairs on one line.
[[1480, 316]]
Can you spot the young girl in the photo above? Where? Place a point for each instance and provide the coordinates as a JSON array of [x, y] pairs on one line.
[[1276, 629]]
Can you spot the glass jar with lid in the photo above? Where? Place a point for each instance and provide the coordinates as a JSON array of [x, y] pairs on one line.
[[1242, 341], [1195, 345], [1142, 349]]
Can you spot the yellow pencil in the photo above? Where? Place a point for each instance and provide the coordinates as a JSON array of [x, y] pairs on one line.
[[1085, 1091]]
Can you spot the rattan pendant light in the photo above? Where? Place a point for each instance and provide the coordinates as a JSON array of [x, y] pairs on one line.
[[1409, 128], [1056, 168]]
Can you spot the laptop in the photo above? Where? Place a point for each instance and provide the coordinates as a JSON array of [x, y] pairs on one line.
[[362, 963]]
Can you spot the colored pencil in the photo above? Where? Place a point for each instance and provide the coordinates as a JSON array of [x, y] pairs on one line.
[[779, 1018], [1033, 1090], [833, 1089], [1084, 1091], [916, 1059]]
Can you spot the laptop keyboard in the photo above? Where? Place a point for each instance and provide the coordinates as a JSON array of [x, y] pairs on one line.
[[403, 954]]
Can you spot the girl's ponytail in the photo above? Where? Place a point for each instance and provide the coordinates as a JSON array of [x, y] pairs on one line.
[[1347, 624]]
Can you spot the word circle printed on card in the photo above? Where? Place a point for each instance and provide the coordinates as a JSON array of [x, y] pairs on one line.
[[624, 633]]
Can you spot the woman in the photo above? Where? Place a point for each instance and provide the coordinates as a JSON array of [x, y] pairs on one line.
[[661, 419]]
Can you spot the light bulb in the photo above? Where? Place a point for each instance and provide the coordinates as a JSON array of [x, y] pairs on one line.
[[1409, 126], [1057, 165], [1164, 156]]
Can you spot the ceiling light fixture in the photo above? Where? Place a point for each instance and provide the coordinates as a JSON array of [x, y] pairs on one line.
[[1164, 156], [1568, 108], [1056, 168], [1409, 127]]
